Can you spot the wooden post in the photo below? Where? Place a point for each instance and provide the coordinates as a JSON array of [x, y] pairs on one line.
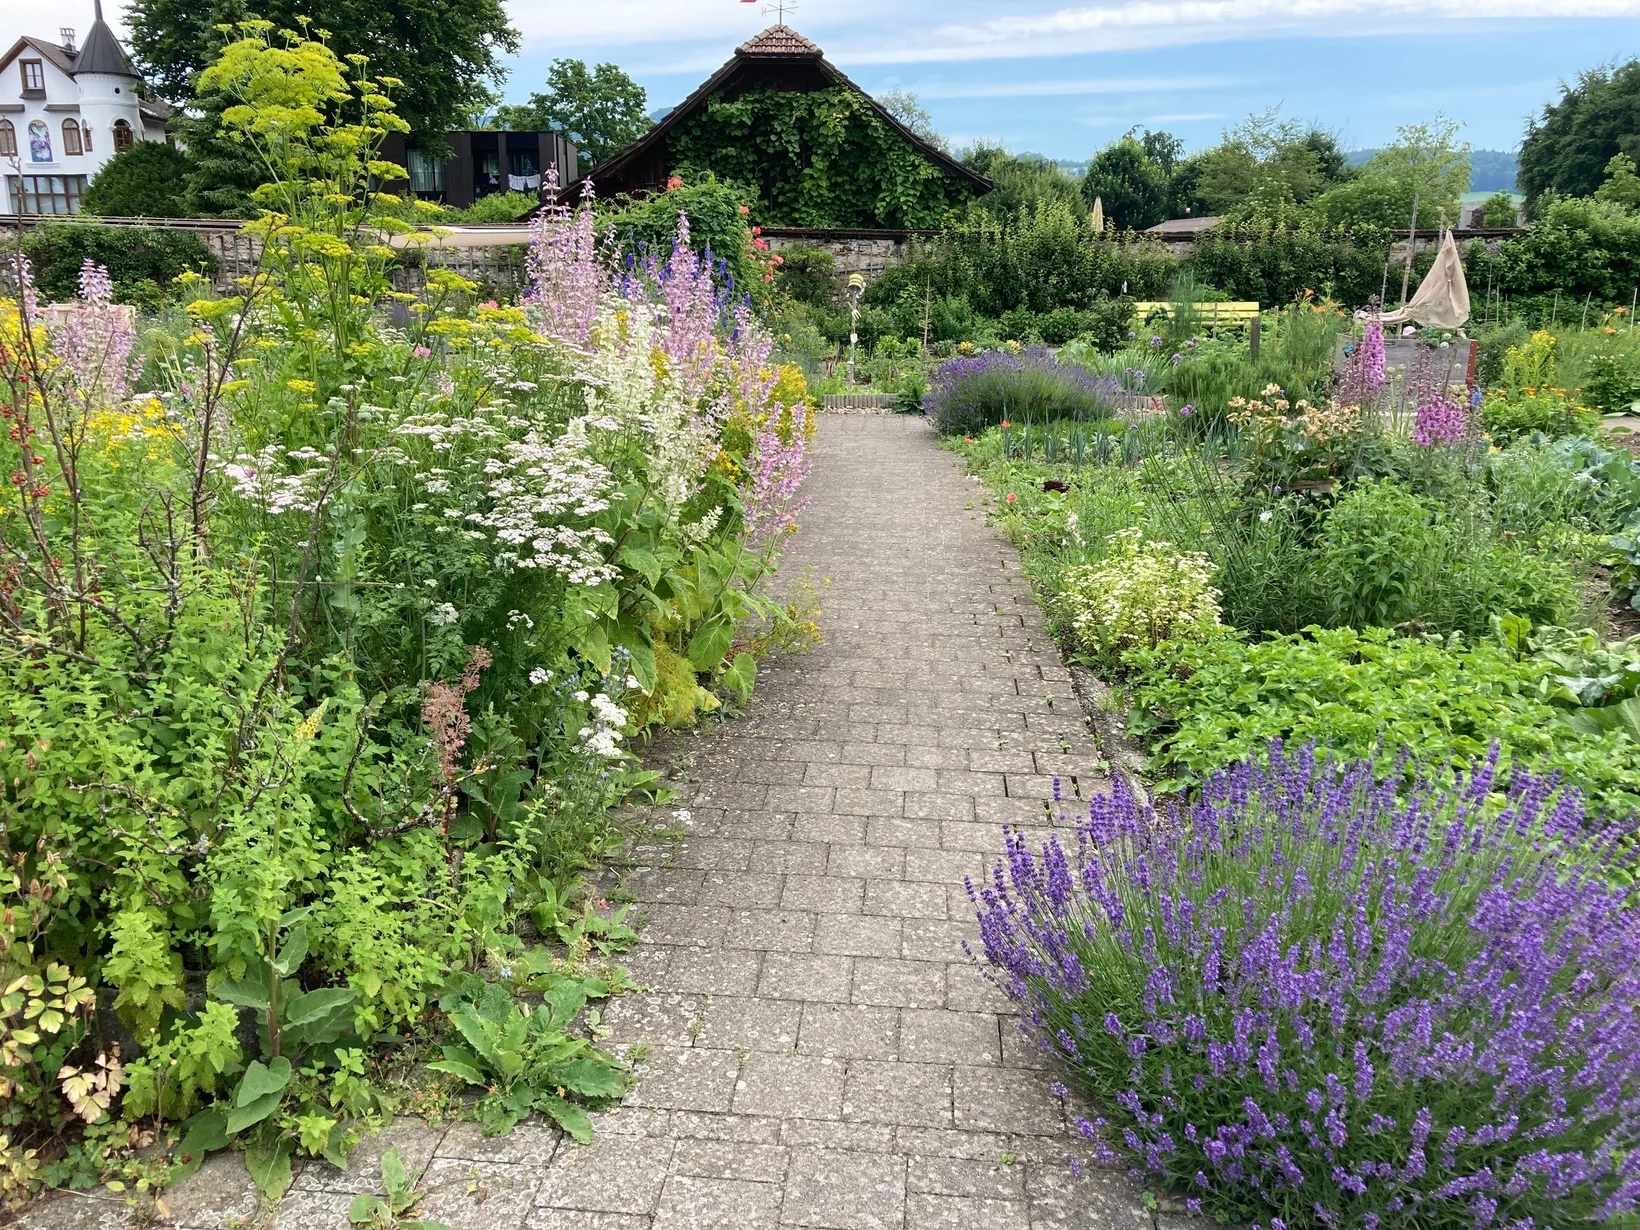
[[1412, 243], [1252, 338]]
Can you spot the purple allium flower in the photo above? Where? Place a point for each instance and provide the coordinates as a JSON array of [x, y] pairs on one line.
[[1186, 411], [1338, 998]]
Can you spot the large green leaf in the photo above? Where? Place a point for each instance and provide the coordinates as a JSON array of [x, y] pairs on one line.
[[292, 953], [269, 1165], [262, 1079], [707, 647], [460, 1062], [252, 1113], [741, 675], [319, 1016], [572, 1118], [589, 1077], [249, 992]]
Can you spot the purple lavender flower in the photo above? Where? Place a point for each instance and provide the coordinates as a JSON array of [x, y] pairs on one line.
[[967, 395], [1336, 998]]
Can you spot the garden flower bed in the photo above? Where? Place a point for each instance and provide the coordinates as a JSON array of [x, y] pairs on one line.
[[328, 614]]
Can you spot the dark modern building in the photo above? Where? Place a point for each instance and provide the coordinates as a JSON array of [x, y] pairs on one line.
[[484, 162]]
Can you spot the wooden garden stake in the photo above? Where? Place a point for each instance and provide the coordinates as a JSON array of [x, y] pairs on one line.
[[1252, 339]]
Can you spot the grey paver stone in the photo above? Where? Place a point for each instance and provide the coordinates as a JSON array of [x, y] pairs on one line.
[[716, 971], [730, 1159], [930, 1212], [845, 1191], [939, 1035], [771, 930], [806, 976], [732, 1021], [466, 1195], [215, 1194], [989, 1099], [900, 984], [890, 1091], [824, 894], [689, 1202], [852, 1031], [790, 1086], [531, 1143], [686, 1078], [860, 935], [614, 1174]]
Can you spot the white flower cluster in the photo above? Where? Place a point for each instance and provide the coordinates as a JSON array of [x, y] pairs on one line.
[[532, 490], [628, 390], [264, 479], [603, 737]]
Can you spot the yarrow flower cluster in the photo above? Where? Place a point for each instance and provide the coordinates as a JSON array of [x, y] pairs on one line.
[[1339, 1000], [1141, 593]]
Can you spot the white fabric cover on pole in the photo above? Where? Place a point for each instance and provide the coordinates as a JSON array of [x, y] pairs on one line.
[[1442, 299]]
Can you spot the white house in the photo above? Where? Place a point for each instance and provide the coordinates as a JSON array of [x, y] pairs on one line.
[[64, 111]]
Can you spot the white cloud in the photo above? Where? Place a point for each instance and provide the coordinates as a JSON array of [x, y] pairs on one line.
[[1071, 89], [1155, 23]]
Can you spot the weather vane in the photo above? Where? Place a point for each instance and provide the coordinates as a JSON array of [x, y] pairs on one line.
[[779, 8]]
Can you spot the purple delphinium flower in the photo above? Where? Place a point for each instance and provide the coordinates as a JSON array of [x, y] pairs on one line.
[[1340, 998]]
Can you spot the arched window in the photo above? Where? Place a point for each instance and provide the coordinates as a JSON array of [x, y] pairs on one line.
[[123, 140], [8, 139], [71, 137]]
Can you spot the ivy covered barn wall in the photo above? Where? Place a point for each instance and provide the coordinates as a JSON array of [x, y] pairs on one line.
[[808, 146], [822, 159]]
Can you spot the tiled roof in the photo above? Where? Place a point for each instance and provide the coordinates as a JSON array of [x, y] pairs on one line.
[[778, 41]]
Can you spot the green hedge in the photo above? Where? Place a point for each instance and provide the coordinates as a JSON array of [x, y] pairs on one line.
[[141, 260]]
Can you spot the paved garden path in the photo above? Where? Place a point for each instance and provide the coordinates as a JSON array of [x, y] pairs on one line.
[[818, 1050], [821, 1052]]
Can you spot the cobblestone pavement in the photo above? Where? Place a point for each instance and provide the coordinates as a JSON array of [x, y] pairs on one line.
[[817, 1050]]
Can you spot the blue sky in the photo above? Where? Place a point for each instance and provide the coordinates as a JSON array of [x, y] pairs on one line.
[[1064, 78]]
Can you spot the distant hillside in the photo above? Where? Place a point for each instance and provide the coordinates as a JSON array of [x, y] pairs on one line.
[[1491, 170]]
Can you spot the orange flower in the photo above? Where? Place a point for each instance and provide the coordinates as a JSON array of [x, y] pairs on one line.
[[673, 184], [1006, 424], [745, 210], [1013, 498]]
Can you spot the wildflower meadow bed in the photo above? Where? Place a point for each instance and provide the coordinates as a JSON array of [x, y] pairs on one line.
[[327, 613]]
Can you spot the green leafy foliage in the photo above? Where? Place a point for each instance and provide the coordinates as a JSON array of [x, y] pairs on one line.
[[527, 1061], [439, 55], [1569, 146], [825, 158], [142, 260], [1367, 693], [391, 1209], [149, 180], [602, 109]]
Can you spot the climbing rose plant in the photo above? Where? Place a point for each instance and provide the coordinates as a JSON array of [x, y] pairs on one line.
[[1309, 998]]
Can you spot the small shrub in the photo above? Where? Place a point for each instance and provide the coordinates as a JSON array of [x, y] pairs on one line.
[[966, 395], [1507, 415], [1311, 1001], [1532, 364], [1141, 594], [494, 208], [149, 180], [1387, 558]]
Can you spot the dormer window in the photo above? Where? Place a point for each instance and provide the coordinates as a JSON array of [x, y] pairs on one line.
[[124, 139], [34, 78], [71, 137]]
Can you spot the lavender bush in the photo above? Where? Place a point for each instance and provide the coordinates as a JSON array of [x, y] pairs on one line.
[[1308, 999], [967, 395]]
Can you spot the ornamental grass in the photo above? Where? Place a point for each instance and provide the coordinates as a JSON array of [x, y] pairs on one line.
[[1313, 998]]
